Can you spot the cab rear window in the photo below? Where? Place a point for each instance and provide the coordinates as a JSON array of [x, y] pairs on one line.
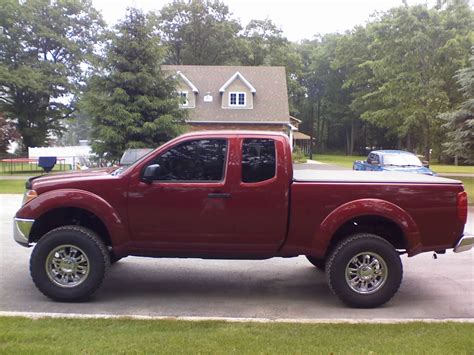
[[258, 159]]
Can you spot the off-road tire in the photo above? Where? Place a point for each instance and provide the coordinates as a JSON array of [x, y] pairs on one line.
[[89, 243], [346, 251]]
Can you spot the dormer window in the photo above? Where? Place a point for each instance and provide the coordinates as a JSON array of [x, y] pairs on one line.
[[237, 99], [183, 98], [237, 93]]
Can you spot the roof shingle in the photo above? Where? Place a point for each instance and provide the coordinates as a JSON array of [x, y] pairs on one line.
[[270, 103]]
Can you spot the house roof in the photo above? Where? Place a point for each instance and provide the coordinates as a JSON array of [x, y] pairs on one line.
[[187, 81], [270, 101], [301, 136]]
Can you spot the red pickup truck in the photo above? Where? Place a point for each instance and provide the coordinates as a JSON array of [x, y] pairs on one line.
[[231, 194]]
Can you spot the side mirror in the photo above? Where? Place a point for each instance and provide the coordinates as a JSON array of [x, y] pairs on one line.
[[151, 173], [426, 163]]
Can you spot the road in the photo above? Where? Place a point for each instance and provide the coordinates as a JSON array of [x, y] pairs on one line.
[[277, 288]]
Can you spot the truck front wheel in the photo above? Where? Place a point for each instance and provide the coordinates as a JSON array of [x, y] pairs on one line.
[[364, 271], [69, 263]]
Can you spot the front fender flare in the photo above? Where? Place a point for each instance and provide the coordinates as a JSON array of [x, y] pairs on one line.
[[366, 207], [75, 198]]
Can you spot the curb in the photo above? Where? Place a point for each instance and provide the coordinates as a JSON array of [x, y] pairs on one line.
[[43, 315]]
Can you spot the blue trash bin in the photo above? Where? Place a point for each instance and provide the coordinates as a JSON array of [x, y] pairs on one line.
[[47, 163]]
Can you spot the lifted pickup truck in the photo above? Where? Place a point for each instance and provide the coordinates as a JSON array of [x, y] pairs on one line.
[[230, 194]]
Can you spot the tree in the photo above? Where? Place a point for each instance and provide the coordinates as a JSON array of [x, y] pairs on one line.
[[260, 43], [413, 54], [42, 47], [198, 32], [460, 123], [263, 43], [132, 103], [326, 105]]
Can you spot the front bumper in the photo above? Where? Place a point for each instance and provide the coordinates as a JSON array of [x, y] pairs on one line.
[[465, 243], [21, 230]]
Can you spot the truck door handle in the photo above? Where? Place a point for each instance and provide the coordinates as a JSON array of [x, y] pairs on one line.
[[218, 195]]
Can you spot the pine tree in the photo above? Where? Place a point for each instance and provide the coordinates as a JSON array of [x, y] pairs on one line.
[[132, 103]]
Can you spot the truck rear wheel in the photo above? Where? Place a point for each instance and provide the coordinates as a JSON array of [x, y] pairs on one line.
[[364, 271], [69, 263]]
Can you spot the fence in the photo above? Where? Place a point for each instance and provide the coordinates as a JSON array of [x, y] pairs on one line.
[[29, 165]]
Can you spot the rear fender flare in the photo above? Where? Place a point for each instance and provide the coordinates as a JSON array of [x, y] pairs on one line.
[[366, 207]]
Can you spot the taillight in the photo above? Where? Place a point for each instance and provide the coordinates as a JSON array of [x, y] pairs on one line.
[[462, 206]]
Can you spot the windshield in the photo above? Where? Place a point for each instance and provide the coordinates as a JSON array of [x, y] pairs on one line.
[[401, 160]]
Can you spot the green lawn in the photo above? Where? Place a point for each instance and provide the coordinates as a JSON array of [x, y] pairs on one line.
[[12, 186], [344, 160], [440, 169], [120, 336]]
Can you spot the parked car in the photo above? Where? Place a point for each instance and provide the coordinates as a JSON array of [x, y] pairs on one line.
[[231, 194], [393, 160]]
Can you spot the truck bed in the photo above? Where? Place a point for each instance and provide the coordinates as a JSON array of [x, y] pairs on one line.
[[310, 175]]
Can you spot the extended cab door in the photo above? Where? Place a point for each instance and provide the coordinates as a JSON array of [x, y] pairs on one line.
[[260, 196]]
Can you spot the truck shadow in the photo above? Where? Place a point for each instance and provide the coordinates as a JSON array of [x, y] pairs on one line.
[[211, 281]]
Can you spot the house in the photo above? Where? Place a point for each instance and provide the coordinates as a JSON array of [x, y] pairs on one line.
[[233, 97]]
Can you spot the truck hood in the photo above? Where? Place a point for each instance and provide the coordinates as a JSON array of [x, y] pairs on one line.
[[69, 176], [311, 175]]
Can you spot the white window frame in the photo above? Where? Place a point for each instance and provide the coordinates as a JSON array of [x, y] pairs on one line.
[[186, 94], [237, 93]]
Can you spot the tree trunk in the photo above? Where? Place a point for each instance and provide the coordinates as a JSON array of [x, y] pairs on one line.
[[323, 128], [351, 150], [350, 138], [319, 133], [347, 142]]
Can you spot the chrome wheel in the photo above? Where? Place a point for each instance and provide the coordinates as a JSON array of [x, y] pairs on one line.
[[67, 266], [366, 273]]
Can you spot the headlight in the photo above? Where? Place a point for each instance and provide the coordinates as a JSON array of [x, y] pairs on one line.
[[29, 195]]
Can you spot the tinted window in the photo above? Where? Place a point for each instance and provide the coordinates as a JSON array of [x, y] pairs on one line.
[[199, 160], [258, 160]]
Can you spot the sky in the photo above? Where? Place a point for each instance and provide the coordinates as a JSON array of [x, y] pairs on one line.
[[299, 19]]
